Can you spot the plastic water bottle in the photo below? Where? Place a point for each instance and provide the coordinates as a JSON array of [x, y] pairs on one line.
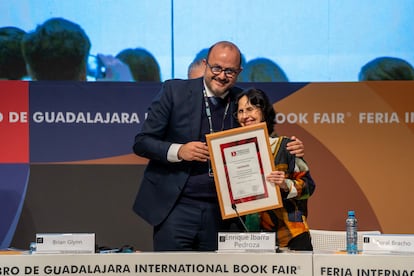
[[32, 248], [351, 233]]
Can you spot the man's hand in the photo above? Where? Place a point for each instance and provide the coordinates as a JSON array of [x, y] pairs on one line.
[[296, 147], [116, 70], [194, 151]]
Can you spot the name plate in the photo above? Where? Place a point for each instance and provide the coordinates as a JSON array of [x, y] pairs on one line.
[[246, 242], [388, 243], [65, 243]]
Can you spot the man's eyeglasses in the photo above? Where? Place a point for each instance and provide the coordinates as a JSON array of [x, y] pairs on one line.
[[229, 72]]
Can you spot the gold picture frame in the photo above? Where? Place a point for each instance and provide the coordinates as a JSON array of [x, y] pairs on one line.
[[241, 158]]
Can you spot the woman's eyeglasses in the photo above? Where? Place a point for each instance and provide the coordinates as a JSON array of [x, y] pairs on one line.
[[249, 110]]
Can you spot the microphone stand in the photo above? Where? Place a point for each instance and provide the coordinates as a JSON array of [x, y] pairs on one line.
[[234, 207]]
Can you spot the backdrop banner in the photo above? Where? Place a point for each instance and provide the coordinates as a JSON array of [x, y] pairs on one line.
[[66, 160]]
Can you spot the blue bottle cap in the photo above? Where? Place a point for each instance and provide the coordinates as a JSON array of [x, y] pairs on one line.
[[351, 213]]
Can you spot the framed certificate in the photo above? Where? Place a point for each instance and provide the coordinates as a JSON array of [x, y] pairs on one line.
[[241, 159]]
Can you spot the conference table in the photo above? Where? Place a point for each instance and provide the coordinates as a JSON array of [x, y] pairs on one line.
[[212, 263]]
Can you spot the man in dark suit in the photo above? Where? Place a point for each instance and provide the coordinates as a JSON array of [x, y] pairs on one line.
[[177, 194]]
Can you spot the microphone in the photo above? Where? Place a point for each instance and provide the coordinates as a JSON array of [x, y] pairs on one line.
[[233, 205]]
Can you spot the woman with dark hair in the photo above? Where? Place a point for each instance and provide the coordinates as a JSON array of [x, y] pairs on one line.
[[143, 65], [386, 68], [12, 64], [56, 50], [291, 175]]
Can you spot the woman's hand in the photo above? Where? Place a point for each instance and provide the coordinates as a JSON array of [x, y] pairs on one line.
[[278, 178]]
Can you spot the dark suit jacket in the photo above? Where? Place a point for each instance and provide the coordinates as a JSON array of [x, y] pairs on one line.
[[173, 117]]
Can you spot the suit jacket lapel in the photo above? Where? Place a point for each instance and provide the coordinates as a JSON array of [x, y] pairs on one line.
[[196, 103]]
